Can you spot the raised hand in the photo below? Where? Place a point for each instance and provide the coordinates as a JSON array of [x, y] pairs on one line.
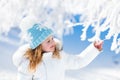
[[98, 45]]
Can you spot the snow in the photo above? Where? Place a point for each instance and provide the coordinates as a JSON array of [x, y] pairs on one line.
[[6, 75], [102, 15], [95, 74], [60, 14]]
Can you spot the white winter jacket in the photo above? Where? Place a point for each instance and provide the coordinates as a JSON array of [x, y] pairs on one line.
[[52, 68]]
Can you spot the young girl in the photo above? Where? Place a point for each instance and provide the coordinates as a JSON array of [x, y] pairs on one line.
[[43, 59]]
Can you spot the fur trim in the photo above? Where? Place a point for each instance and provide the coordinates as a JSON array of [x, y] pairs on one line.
[[59, 45]]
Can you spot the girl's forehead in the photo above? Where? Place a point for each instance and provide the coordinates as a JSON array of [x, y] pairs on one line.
[[49, 38]]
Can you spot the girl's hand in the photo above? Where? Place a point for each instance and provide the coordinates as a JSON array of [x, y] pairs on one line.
[[98, 45]]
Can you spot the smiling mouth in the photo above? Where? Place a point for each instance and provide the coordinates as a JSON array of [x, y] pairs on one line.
[[52, 47]]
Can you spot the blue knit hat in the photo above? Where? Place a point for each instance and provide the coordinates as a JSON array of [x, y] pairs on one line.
[[38, 33]]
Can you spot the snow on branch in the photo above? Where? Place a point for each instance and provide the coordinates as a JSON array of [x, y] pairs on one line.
[[59, 15]]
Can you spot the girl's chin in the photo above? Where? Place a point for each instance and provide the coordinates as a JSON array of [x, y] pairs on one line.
[[52, 50]]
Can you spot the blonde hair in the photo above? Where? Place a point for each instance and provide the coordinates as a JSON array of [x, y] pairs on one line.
[[35, 57]]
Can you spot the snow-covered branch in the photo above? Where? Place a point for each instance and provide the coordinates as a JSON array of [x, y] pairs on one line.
[[102, 15]]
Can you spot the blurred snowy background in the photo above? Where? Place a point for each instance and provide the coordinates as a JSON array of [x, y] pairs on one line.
[[76, 22]]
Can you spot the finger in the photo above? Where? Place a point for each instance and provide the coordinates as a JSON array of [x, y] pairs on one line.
[[101, 43]]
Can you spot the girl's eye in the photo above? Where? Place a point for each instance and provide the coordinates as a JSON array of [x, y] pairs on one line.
[[48, 41]]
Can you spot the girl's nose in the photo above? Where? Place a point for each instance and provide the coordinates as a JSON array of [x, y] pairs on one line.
[[52, 41]]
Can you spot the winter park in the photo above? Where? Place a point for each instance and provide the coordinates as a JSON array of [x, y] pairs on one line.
[[76, 23]]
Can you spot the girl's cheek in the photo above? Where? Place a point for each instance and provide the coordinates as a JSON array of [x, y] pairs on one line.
[[48, 47]]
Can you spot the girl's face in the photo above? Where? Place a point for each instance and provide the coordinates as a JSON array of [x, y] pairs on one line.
[[48, 45]]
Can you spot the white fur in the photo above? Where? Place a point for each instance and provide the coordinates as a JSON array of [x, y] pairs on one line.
[[58, 44]]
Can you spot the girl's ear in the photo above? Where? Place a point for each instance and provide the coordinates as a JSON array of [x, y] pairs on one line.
[[59, 45]]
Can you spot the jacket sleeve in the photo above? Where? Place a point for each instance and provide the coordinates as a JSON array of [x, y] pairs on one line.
[[81, 60]]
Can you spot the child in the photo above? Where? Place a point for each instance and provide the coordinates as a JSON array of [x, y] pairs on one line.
[[43, 59]]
